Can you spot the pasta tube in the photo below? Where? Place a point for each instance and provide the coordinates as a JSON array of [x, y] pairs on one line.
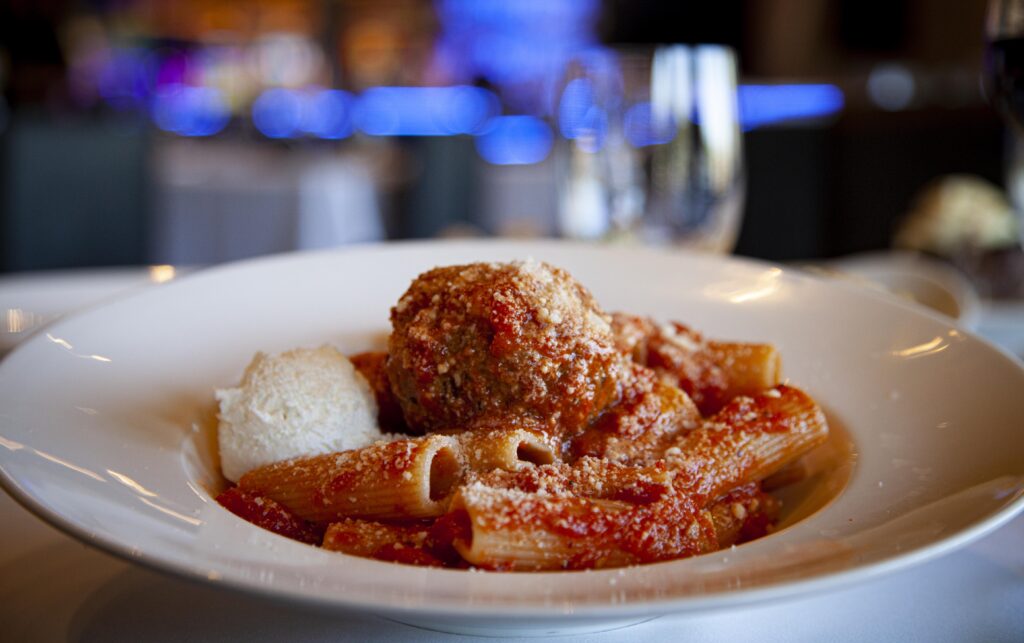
[[645, 422], [509, 449], [748, 368], [596, 513], [587, 477], [711, 372], [388, 480], [517, 530], [592, 514], [749, 439]]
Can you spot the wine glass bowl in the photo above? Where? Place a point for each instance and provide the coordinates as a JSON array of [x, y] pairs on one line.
[[651, 147]]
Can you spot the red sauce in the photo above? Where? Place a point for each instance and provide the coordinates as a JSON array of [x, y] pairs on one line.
[[396, 553], [641, 493], [268, 514], [451, 527]]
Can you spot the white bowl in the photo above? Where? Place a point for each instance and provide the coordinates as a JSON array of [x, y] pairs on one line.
[[913, 277], [106, 418]]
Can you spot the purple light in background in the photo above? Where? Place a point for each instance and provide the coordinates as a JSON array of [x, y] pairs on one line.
[[769, 104], [327, 113], [424, 111], [515, 140], [121, 79], [172, 68], [189, 111], [277, 113]]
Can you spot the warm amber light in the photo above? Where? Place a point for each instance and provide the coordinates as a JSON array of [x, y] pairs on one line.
[[60, 342], [936, 345], [160, 274], [766, 285], [16, 320]]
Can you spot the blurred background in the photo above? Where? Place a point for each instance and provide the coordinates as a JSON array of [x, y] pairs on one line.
[[194, 132]]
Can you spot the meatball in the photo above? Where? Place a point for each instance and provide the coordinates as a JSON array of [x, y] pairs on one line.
[[491, 340]]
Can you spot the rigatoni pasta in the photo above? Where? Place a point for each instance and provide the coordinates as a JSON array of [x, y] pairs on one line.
[[505, 446], [648, 419], [390, 480], [515, 530], [748, 368], [746, 441], [711, 372], [535, 432], [590, 514]]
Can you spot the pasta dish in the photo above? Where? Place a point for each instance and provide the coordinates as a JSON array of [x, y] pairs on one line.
[[529, 430]]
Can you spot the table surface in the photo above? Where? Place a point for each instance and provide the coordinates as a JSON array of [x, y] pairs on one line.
[[54, 588]]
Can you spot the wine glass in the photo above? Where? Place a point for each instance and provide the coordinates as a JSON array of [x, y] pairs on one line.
[[650, 147], [1004, 85], [1004, 60]]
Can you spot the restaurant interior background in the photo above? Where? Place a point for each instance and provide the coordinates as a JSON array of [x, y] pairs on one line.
[[191, 132]]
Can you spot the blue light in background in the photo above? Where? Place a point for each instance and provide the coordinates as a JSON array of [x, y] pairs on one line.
[[327, 114], [761, 105], [277, 113], [190, 111], [424, 111], [593, 130], [641, 130], [122, 79], [515, 44], [579, 118], [577, 98], [515, 140]]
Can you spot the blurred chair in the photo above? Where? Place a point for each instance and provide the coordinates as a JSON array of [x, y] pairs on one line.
[[337, 205], [221, 201], [74, 193], [216, 202]]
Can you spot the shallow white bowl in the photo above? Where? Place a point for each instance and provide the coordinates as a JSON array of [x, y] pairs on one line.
[[914, 277], [105, 427]]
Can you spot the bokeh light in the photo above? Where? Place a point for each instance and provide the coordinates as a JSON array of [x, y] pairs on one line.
[[761, 105], [515, 140], [277, 113], [189, 111], [327, 114], [424, 111], [642, 130]]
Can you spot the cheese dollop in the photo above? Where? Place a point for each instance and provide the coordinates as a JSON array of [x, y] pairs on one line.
[[300, 403]]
